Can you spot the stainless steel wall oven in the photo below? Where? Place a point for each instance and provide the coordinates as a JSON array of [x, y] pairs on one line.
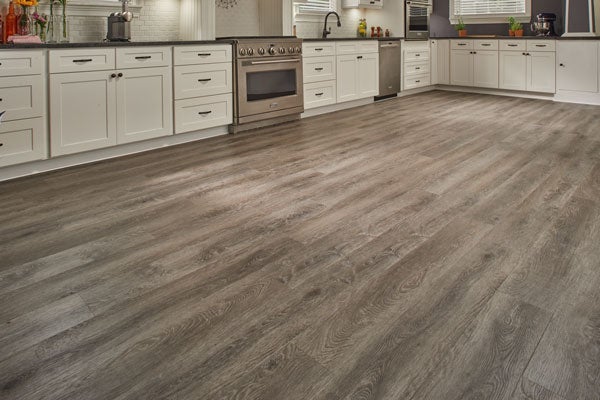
[[417, 14]]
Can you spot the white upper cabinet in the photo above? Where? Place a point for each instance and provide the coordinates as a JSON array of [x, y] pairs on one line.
[[362, 3], [577, 65]]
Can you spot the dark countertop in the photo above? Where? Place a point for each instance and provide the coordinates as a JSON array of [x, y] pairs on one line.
[[340, 39], [520, 37], [109, 44]]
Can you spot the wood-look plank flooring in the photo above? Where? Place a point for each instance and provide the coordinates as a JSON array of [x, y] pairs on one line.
[[438, 246]]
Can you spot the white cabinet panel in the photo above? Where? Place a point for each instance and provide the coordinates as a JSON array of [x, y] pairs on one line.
[[485, 69], [82, 112], [462, 44], [541, 45], [440, 62], [416, 68], [577, 69], [485, 45], [417, 81], [202, 54], [18, 62], [368, 75], [143, 57], [144, 104], [22, 97], [416, 55], [461, 68], [22, 141], [318, 69], [513, 70], [203, 112], [203, 80], [541, 72], [319, 94], [347, 82], [318, 49], [513, 45], [82, 60]]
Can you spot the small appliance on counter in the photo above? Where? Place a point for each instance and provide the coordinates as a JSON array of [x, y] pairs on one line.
[[119, 24], [543, 24]]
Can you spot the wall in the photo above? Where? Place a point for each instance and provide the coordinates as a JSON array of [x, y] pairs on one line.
[[239, 20]]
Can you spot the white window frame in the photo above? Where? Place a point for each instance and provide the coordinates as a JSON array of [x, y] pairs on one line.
[[315, 16], [95, 8], [490, 18]]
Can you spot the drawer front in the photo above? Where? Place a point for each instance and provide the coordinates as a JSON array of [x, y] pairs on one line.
[[203, 80], [461, 44], [139, 57], [207, 54], [413, 82], [203, 112], [317, 49], [486, 45], [416, 55], [541, 45], [319, 94], [82, 60], [16, 62], [22, 141], [513, 45], [355, 47], [419, 68], [22, 97], [318, 69]]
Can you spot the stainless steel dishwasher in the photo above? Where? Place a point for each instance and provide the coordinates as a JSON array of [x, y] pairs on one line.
[[389, 68]]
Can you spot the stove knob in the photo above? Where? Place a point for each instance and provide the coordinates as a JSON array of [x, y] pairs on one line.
[[298, 50], [272, 51], [261, 51], [250, 51], [281, 50], [291, 50], [242, 52]]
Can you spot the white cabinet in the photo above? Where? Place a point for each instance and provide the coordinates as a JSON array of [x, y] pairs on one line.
[[144, 103], [440, 62], [320, 74], [485, 69], [472, 64], [377, 4], [416, 65], [541, 71], [577, 66], [357, 74], [461, 67], [524, 69], [23, 134], [513, 70], [101, 106]]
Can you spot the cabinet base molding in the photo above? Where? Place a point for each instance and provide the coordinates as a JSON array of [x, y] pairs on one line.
[[566, 96], [496, 92], [336, 107], [38, 167]]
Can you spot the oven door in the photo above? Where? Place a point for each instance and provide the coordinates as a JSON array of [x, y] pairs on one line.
[[417, 20], [272, 86]]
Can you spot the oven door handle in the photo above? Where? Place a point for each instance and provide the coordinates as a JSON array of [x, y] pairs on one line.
[[274, 62]]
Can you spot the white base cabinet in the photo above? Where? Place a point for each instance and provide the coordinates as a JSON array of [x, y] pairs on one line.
[[528, 65], [461, 68], [22, 141], [485, 69], [357, 70], [440, 62], [577, 66]]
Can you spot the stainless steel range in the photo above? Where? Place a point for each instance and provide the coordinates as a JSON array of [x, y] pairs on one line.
[[267, 81]]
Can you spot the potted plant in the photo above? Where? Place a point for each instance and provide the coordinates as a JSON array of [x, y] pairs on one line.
[[516, 27], [461, 28], [511, 22]]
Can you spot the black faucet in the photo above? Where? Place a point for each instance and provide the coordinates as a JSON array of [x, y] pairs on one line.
[[328, 31]]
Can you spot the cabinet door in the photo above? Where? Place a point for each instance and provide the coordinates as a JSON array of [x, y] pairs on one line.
[[461, 68], [82, 112], [485, 69], [144, 104], [577, 65], [347, 83], [513, 70], [541, 72], [368, 75], [434, 61], [442, 66]]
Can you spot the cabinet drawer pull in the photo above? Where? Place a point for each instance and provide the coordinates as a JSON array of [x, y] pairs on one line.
[[417, 67], [0, 99], [512, 45], [462, 44], [359, 57], [1, 144], [418, 81], [143, 57], [318, 69], [319, 94], [486, 44], [540, 45], [83, 60], [205, 80], [561, 65], [205, 112], [417, 55], [319, 49], [204, 54]]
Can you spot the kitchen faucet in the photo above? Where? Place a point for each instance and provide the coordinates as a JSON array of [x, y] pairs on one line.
[[328, 31]]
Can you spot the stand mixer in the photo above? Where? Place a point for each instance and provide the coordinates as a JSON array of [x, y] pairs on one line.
[[119, 24], [543, 25]]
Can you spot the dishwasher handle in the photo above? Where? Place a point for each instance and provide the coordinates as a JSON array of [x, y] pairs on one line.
[[389, 45]]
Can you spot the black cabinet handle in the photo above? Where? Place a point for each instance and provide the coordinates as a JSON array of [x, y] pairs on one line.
[[540, 45], [204, 112], [0, 99], [359, 57], [524, 54], [204, 54], [1, 144], [462, 44], [417, 68], [561, 64], [83, 60], [120, 74], [318, 69], [319, 49], [143, 57], [113, 75], [512, 45], [205, 80], [417, 81], [486, 44], [319, 94]]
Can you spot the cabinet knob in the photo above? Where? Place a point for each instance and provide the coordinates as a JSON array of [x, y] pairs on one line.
[[113, 75], [561, 64], [120, 74], [1, 144]]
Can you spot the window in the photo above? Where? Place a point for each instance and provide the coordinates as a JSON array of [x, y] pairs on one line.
[[490, 11], [316, 7]]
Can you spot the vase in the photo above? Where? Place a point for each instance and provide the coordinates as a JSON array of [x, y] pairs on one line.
[[64, 24], [24, 22]]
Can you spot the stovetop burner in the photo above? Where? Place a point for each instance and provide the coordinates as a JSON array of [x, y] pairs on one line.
[[265, 46]]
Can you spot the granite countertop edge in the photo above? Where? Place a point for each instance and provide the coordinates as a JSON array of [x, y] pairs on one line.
[[519, 37], [110, 44]]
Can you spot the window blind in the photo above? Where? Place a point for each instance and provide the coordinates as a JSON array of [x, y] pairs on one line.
[[316, 6], [489, 7]]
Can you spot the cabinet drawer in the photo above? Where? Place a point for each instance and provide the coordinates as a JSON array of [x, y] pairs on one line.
[[513, 45], [418, 68], [136, 57], [208, 54], [465, 44], [486, 45], [202, 80], [319, 94], [355, 47], [318, 69], [317, 49], [82, 60], [413, 82], [541, 45], [203, 112], [22, 141], [22, 97], [16, 62], [415, 55]]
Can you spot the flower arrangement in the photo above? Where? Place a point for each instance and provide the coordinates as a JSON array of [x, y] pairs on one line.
[[40, 22], [24, 20]]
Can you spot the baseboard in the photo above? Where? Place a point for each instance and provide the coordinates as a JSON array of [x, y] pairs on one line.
[[496, 92], [567, 96], [336, 107], [38, 167]]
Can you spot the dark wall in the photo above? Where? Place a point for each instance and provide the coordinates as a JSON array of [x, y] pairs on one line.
[[440, 24]]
